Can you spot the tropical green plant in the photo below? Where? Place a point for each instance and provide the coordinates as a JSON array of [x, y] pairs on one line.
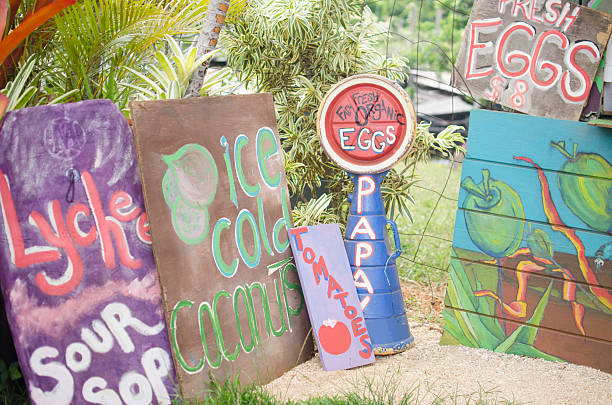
[[84, 51], [19, 20], [12, 387], [18, 91], [94, 41], [8, 373], [297, 50], [170, 76], [313, 212]]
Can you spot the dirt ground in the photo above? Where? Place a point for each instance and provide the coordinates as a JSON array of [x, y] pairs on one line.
[[430, 373]]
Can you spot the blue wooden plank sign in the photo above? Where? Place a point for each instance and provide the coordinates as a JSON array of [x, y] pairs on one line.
[[532, 249], [331, 298]]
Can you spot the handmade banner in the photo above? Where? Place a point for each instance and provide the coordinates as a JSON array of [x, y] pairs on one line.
[[331, 297], [531, 270], [215, 189], [77, 269], [535, 56]]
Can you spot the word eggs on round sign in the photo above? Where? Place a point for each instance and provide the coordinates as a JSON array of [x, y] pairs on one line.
[[366, 123]]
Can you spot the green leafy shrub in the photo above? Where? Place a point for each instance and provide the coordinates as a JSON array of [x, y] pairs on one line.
[[297, 50]]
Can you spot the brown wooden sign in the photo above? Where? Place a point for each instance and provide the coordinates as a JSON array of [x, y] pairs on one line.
[[216, 194], [535, 56]]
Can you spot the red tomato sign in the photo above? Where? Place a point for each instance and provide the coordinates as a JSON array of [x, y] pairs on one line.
[[366, 124], [334, 337]]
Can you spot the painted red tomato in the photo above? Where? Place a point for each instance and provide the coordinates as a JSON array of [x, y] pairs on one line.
[[334, 337]]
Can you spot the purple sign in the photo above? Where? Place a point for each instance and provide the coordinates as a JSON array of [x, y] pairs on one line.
[[331, 298], [76, 266]]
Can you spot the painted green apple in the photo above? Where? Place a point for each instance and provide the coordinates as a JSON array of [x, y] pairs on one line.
[[500, 234], [585, 182]]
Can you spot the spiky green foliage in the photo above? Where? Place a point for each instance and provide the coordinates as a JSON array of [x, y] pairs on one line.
[[314, 212], [20, 90], [168, 78], [297, 50], [93, 48], [12, 387]]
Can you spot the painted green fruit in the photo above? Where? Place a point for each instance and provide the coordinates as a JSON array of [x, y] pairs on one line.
[[189, 187], [588, 191], [539, 244], [496, 235], [195, 172]]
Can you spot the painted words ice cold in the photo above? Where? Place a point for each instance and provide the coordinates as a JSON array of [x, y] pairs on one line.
[[266, 147]]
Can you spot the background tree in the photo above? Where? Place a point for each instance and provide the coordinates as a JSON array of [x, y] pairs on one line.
[[425, 31], [207, 41]]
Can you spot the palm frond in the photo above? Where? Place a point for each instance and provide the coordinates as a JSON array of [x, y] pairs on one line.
[[18, 91], [170, 76], [95, 40]]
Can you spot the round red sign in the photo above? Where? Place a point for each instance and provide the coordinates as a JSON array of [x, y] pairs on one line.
[[366, 123]]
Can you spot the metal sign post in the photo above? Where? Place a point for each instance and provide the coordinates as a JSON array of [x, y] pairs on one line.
[[366, 123]]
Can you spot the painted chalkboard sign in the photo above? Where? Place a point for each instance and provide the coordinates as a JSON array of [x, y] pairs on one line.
[[215, 189], [331, 297], [534, 56], [77, 269], [531, 271]]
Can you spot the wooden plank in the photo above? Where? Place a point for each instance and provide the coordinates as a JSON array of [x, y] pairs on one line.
[[601, 122], [76, 266], [498, 136], [331, 298], [571, 308], [215, 189], [495, 235], [547, 344], [582, 202], [533, 59], [594, 103], [534, 200]]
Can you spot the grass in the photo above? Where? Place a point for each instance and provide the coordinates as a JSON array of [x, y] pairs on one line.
[[231, 393], [14, 393], [427, 239]]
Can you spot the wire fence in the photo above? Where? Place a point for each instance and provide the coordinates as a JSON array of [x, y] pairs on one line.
[[418, 261]]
